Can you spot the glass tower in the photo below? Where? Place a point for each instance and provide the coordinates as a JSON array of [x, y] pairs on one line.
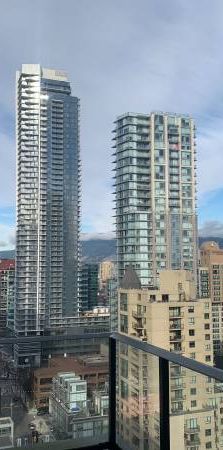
[[155, 185], [47, 236]]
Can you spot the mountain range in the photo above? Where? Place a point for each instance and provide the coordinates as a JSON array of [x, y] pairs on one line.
[[96, 250]]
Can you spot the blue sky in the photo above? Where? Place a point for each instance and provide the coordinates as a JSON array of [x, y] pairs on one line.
[[120, 55]]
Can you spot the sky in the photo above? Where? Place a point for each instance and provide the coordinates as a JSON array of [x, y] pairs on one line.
[[121, 55]]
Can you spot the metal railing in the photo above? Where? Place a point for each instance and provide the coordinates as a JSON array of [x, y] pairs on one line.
[[164, 359]]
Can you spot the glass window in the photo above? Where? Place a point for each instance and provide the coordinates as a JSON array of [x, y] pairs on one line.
[[193, 391]]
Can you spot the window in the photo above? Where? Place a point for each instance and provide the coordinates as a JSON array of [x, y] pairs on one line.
[[123, 323], [191, 424], [191, 321], [208, 445], [208, 419], [208, 347], [123, 301], [206, 316], [191, 332], [191, 309], [192, 344], [175, 312], [79, 387], [44, 389], [208, 432], [193, 355], [193, 379], [124, 389], [206, 326], [193, 391], [193, 403], [207, 337], [45, 381], [124, 368], [207, 358]]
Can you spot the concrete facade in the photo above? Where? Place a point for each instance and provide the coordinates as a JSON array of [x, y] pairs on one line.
[[172, 318]]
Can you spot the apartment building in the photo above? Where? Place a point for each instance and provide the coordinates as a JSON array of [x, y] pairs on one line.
[[88, 286], [107, 271], [211, 282], [48, 187], [155, 194], [7, 285], [172, 318]]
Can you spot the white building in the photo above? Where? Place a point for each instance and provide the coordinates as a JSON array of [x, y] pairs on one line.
[[6, 432], [47, 235], [68, 399]]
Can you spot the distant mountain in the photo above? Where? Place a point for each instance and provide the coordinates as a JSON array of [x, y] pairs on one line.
[[7, 254], [93, 250], [96, 250]]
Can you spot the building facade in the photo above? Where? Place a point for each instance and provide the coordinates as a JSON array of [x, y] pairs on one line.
[[47, 235], [92, 368], [88, 286], [155, 185], [211, 282], [7, 284], [69, 397], [107, 271], [172, 318], [75, 412]]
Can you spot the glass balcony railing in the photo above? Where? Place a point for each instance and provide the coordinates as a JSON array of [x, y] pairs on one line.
[[106, 391]]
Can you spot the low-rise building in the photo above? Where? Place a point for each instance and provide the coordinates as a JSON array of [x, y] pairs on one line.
[[68, 398], [74, 414], [6, 432], [91, 368]]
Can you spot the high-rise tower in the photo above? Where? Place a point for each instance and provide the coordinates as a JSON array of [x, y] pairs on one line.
[[47, 238], [155, 184]]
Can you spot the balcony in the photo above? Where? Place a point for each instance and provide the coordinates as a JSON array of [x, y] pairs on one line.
[[137, 315], [193, 441], [176, 325], [129, 379], [195, 429], [177, 337]]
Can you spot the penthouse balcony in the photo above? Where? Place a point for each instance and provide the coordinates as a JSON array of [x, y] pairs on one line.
[[115, 402]]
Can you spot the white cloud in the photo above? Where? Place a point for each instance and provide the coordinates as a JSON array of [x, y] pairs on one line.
[[126, 56], [211, 228], [7, 237], [102, 236], [210, 158], [7, 171]]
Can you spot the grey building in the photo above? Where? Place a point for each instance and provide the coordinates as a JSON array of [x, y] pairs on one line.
[[47, 235], [155, 185], [88, 286]]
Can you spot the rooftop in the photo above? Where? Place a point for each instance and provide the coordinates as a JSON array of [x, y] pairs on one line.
[[6, 264]]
